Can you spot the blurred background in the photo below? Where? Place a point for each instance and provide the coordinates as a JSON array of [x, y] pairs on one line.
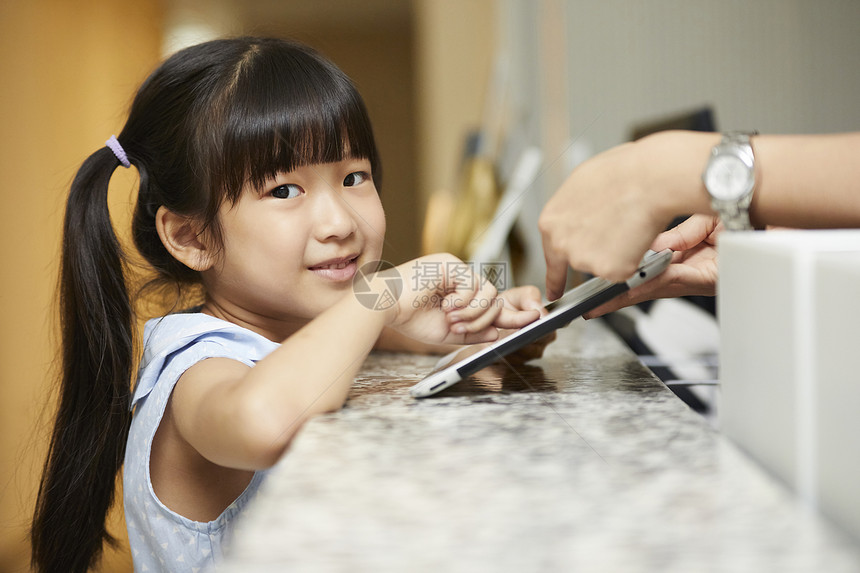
[[480, 107]]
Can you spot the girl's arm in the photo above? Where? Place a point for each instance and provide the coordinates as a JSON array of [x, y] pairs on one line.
[[517, 298], [391, 340], [244, 418]]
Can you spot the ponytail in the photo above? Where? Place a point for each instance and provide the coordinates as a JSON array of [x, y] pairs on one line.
[[87, 444]]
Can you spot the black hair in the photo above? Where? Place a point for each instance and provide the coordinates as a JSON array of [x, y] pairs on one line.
[[210, 119]]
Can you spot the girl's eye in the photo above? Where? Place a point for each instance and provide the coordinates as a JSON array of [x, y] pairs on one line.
[[355, 178], [288, 191]]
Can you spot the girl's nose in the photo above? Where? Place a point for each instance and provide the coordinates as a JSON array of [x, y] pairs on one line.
[[335, 217]]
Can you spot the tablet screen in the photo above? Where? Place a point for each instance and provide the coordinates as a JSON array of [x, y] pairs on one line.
[[573, 304]]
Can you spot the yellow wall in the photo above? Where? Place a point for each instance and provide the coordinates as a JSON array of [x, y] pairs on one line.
[[68, 69], [455, 44]]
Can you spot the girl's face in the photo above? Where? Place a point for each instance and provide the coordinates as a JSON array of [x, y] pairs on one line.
[[292, 247]]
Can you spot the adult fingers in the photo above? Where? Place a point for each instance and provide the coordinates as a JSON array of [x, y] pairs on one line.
[[556, 275], [686, 235]]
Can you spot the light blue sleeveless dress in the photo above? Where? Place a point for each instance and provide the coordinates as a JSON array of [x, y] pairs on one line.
[[161, 539]]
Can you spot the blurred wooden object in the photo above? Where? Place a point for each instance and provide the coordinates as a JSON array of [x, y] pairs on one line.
[[475, 203], [434, 236]]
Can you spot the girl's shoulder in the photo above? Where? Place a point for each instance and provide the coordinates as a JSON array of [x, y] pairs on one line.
[[188, 337], [172, 332]]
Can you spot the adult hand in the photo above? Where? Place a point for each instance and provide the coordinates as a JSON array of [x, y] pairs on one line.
[[693, 270], [600, 221], [608, 212]]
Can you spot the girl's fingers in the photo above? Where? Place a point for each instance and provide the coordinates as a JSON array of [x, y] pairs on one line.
[[462, 286], [489, 334], [522, 306], [480, 301], [512, 318], [522, 298], [479, 313], [480, 323]]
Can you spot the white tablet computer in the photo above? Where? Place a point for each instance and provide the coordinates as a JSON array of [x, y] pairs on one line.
[[575, 302]]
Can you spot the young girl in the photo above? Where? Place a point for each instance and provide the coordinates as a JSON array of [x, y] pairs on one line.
[[258, 180]]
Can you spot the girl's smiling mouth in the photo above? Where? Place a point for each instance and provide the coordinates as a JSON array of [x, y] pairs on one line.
[[338, 270]]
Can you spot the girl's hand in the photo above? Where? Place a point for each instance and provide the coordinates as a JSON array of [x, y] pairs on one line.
[[444, 301], [526, 298], [514, 300], [693, 270]]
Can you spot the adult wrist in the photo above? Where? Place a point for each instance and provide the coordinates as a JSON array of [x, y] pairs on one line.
[[675, 160]]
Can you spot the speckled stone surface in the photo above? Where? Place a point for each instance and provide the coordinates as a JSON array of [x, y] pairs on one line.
[[581, 461]]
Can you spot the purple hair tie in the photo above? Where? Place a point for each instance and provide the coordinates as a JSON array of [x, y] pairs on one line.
[[117, 149]]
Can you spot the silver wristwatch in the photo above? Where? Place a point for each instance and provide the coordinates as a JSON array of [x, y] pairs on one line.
[[729, 178]]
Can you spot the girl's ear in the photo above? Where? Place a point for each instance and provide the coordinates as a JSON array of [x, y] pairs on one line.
[[181, 237]]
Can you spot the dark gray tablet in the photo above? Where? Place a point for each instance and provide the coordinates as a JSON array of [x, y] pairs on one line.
[[575, 302]]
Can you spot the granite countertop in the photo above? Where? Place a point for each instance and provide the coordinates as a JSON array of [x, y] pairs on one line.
[[581, 461]]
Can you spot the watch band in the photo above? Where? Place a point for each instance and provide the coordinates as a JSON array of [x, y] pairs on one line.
[[735, 213]]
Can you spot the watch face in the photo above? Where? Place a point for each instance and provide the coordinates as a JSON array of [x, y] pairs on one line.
[[728, 177]]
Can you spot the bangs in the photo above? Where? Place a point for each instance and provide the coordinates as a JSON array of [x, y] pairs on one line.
[[286, 109]]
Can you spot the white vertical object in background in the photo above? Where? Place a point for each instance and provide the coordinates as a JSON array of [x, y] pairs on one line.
[[781, 307], [837, 344], [492, 245], [804, 329], [536, 33], [756, 307], [188, 22]]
